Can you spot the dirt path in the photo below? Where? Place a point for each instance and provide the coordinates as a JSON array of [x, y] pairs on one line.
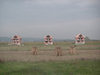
[[48, 55]]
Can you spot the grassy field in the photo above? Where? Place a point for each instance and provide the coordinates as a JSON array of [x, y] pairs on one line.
[[18, 60], [77, 67], [90, 45]]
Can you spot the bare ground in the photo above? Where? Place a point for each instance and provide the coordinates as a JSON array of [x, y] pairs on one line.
[[48, 55]]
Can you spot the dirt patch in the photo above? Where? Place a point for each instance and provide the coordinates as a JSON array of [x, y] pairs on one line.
[[48, 55]]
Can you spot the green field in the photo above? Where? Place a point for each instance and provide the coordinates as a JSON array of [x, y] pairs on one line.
[[18, 60], [90, 45], [77, 67]]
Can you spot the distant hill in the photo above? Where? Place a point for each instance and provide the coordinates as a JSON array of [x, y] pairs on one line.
[[31, 39], [7, 39], [4, 39]]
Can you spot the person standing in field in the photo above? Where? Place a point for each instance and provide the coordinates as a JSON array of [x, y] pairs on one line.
[[48, 40]]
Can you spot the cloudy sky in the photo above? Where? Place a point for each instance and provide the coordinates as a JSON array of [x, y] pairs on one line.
[[62, 19]]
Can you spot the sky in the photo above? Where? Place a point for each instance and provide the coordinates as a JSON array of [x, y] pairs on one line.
[[63, 19]]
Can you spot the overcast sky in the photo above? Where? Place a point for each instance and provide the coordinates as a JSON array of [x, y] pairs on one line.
[[62, 19]]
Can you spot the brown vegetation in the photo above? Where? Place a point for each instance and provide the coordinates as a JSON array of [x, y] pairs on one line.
[[48, 55]]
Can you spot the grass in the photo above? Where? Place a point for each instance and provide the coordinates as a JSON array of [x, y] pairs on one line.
[[71, 67], [78, 67], [90, 45]]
